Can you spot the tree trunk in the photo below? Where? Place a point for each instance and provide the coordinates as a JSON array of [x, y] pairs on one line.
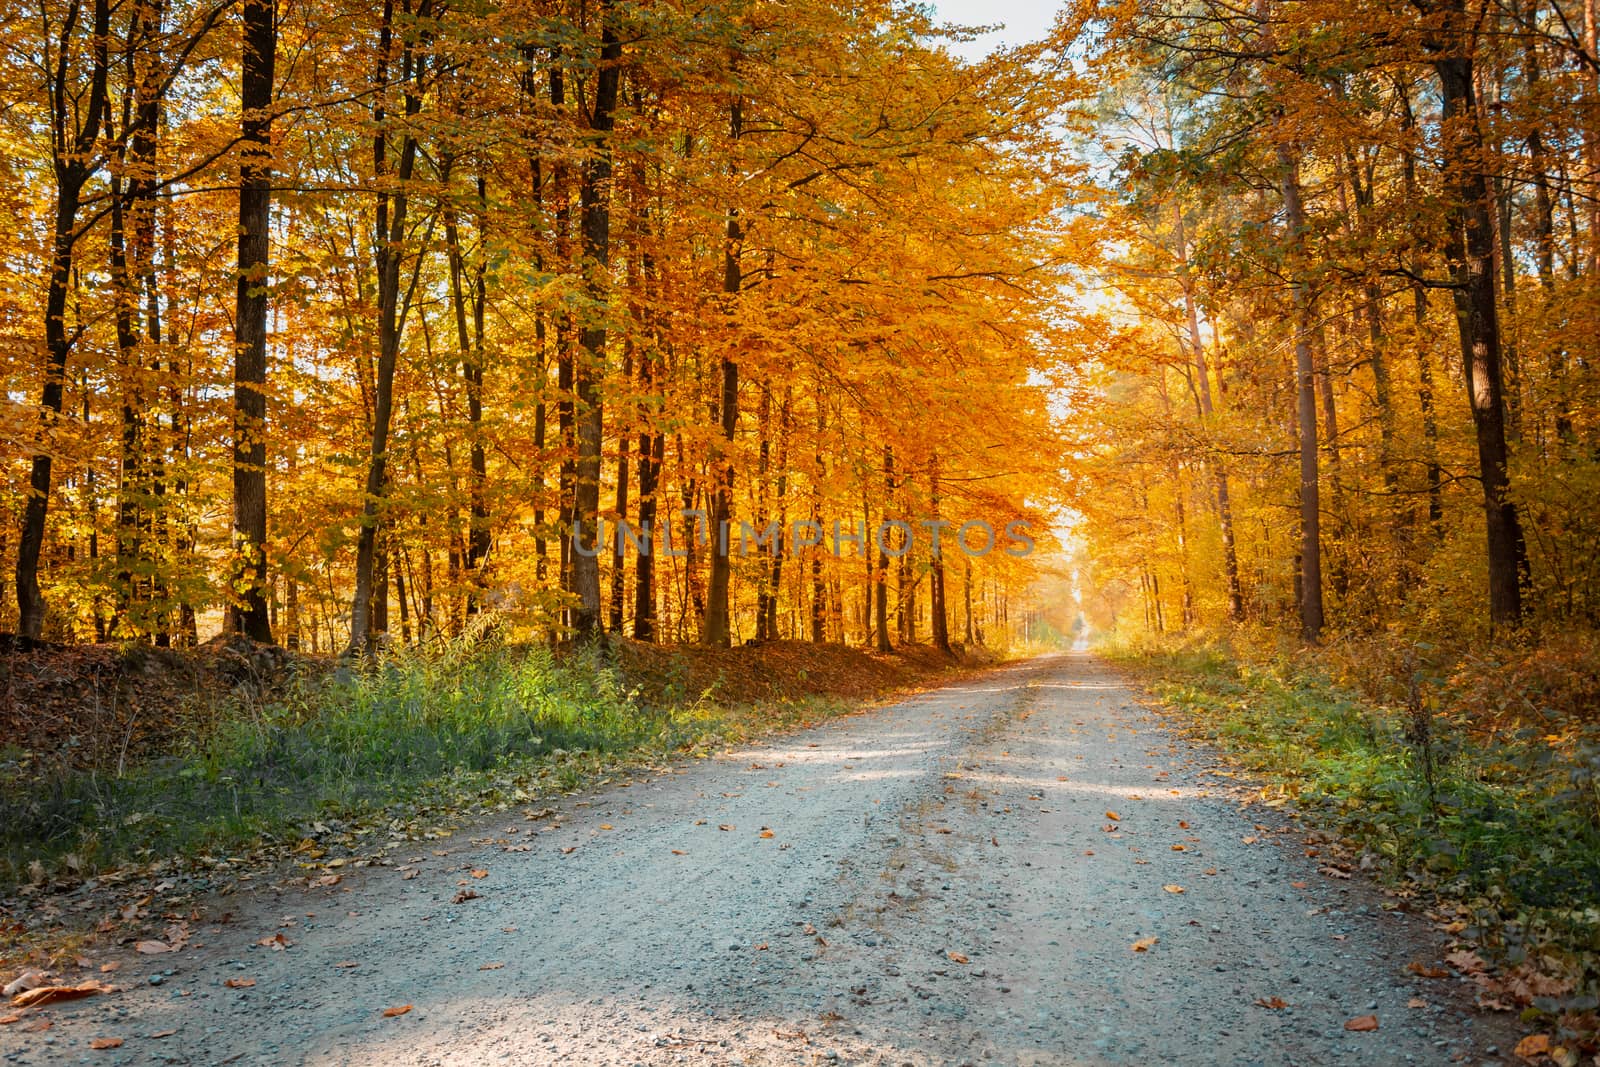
[[389, 235], [717, 612], [1311, 619], [594, 201], [73, 164], [1470, 253]]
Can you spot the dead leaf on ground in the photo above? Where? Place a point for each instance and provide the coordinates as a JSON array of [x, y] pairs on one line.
[[1272, 1003], [152, 948], [49, 994], [1465, 961], [1173, 888], [957, 957], [1180, 848], [495, 966], [1144, 944], [1362, 1024], [7, 1020], [105, 1042], [277, 942], [1416, 1002], [480, 873], [238, 983], [464, 895], [1297, 885], [679, 852], [1425, 971], [1533, 1046], [160, 1034], [1113, 816], [765, 832], [390, 1013], [726, 826], [761, 947], [107, 968]]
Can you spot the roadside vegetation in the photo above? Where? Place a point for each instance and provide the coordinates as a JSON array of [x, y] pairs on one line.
[[1467, 781], [403, 744]]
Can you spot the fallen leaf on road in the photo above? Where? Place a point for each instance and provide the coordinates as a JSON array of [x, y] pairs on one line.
[[607, 826], [1113, 816], [1144, 944], [809, 929], [1465, 961], [7, 1020], [569, 850], [480, 874], [50, 993], [1272, 1003], [956, 957], [679, 852], [1533, 1046], [105, 1042], [1297, 885], [1362, 1024], [159, 1034], [239, 983], [31, 979], [151, 948], [1209, 870], [38, 1026], [464, 895], [1173, 888], [1249, 840], [107, 968], [1180, 848], [1424, 970], [408, 876], [765, 832], [347, 964], [1182, 825], [1416, 1002], [497, 965], [761, 947], [390, 1013], [726, 826]]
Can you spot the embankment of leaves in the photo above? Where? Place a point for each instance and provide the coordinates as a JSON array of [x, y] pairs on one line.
[[1488, 822], [407, 743]]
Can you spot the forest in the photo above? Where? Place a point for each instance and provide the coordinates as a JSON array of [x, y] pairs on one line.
[[333, 325]]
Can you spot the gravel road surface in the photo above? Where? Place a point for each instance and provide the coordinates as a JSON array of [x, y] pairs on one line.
[[1020, 868]]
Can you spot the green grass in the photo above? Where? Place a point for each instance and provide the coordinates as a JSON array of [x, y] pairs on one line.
[[412, 738], [1506, 826]]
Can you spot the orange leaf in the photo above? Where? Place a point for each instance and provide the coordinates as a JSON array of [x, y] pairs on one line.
[[1173, 888], [1362, 1024], [607, 826], [1423, 970], [491, 966], [7, 1020], [956, 957], [239, 983], [347, 964], [726, 826], [480, 874], [106, 1042], [1113, 816], [1180, 848], [765, 832], [1144, 944], [390, 1013], [679, 852], [1533, 1046], [151, 948], [1297, 885], [1272, 1003], [50, 993]]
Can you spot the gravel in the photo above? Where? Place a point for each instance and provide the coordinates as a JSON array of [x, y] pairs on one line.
[[940, 881]]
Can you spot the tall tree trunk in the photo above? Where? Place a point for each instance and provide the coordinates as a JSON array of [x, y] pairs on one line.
[[594, 200], [1311, 618], [880, 578], [1219, 468], [1470, 253], [717, 624], [389, 236], [73, 161], [248, 611], [940, 616]]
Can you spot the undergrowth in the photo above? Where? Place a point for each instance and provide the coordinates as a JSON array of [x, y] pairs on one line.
[[1408, 753]]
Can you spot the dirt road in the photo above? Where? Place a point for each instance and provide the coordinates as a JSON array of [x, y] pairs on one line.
[[935, 882]]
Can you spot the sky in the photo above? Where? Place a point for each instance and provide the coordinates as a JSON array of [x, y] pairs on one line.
[[1025, 20]]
